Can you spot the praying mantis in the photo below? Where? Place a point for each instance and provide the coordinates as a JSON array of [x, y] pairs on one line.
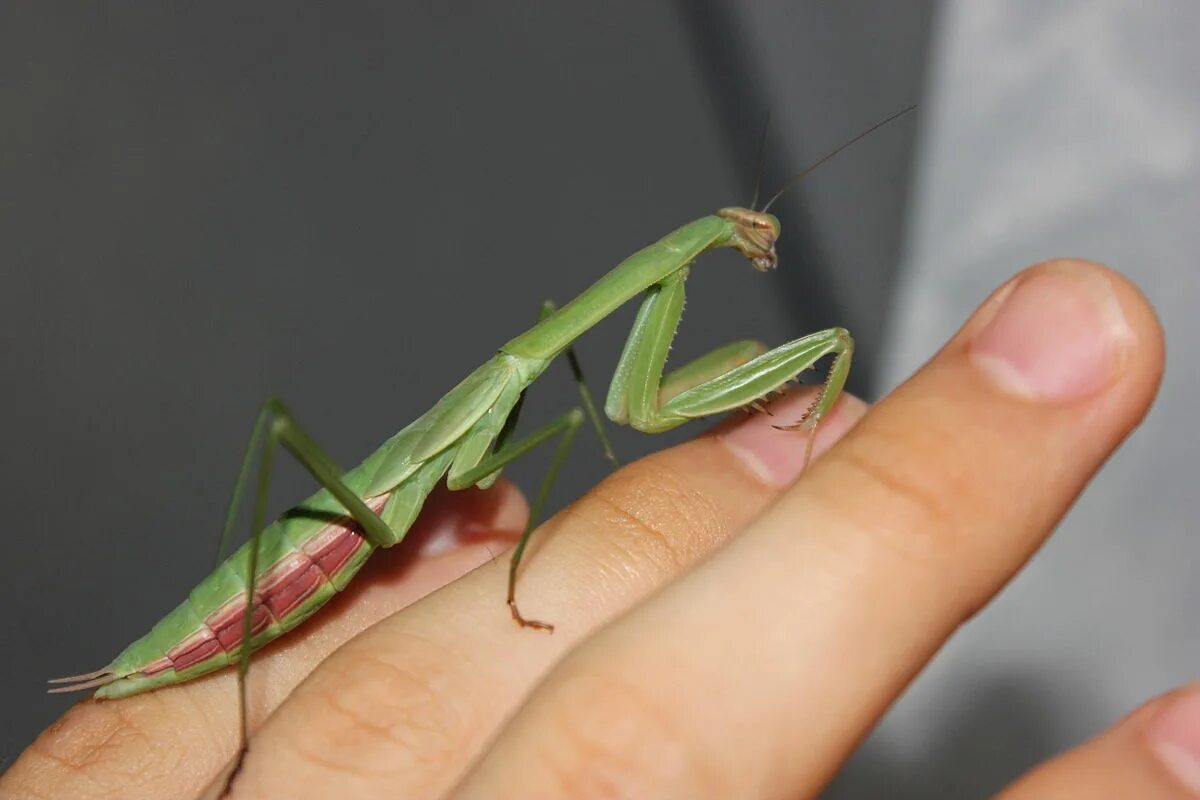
[[289, 569]]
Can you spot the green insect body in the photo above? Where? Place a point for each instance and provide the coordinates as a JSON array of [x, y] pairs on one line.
[[313, 551]]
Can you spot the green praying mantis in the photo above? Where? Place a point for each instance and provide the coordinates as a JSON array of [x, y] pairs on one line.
[[292, 567]]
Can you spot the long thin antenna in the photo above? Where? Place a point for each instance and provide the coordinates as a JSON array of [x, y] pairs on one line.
[[762, 159], [834, 152]]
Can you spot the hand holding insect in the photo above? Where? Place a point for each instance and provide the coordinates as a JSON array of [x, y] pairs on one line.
[[836, 590], [290, 569]]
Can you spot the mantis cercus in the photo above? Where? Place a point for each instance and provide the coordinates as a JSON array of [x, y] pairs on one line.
[[289, 569]]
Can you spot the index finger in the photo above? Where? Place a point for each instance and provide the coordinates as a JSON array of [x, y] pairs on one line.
[[757, 673]]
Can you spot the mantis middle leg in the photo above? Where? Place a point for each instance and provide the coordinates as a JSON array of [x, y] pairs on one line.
[[565, 427]]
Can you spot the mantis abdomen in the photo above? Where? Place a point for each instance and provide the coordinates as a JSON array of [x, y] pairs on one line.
[[302, 566]]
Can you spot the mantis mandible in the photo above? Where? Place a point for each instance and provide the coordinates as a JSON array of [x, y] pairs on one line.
[[289, 569]]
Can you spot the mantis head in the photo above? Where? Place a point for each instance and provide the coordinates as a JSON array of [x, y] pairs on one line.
[[755, 232], [754, 235]]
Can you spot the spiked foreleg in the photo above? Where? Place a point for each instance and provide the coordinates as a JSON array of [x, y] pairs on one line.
[[760, 376], [633, 393], [710, 365], [734, 376]]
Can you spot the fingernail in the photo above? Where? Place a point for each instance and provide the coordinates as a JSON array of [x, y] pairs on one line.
[[1058, 335], [1175, 738], [778, 456]]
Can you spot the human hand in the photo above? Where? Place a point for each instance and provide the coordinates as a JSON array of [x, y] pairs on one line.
[[798, 612]]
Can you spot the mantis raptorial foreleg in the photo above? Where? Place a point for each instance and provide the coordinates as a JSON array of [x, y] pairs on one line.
[[713, 363], [729, 377]]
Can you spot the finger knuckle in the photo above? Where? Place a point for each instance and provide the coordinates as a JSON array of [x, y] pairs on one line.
[[654, 517], [605, 737], [912, 502], [394, 701], [107, 746]]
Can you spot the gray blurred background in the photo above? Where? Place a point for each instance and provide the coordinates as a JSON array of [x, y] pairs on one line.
[[207, 204]]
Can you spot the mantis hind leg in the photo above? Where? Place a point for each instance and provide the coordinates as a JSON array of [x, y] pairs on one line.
[[275, 425]]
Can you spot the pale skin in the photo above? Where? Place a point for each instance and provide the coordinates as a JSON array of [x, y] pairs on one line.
[[724, 628]]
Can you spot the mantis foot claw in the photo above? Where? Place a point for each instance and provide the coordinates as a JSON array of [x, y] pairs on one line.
[[528, 623], [806, 422]]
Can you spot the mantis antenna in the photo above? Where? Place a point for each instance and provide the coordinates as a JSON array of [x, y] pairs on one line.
[[796, 180], [762, 158]]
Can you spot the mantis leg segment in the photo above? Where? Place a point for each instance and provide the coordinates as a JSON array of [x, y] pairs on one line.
[[510, 423], [639, 391], [710, 365], [758, 377], [831, 388], [827, 395], [585, 394], [565, 427], [734, 376], [276, 424], [239, 485], [635, 382]]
